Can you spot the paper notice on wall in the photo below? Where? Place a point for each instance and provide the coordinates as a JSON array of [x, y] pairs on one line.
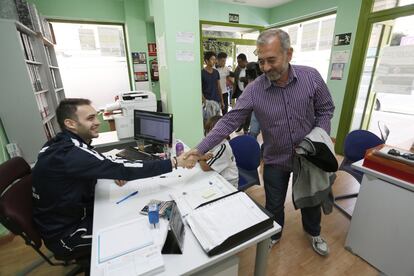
[[184, 37], [162, 60], [340, 57], [184, 55], [337, 71]]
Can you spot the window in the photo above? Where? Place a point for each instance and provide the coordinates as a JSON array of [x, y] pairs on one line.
[[312, 41], [309, 36], [92, 61], [380, 5]]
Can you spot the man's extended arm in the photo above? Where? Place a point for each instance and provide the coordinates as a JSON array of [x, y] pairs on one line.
[[87, 163]]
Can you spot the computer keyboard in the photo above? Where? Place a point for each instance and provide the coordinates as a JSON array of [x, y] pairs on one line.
[[133, 154]]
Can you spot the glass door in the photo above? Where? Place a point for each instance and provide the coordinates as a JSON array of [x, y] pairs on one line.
[[386, 89], [233, 39]]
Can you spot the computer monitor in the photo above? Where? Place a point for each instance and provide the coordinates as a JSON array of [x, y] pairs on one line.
[[153, 127]]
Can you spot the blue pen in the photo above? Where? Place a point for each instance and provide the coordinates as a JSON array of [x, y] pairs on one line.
[[128, 196]]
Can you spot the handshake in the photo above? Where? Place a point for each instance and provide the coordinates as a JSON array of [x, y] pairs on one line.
[[190, 158]]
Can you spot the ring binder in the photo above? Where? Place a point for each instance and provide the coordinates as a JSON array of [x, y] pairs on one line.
[[218, 225]]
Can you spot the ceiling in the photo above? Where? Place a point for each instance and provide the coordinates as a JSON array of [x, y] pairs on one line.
[[257, 3]]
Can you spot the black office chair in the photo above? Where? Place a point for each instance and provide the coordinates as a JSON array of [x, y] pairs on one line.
[[16, 211], [356, 144], [246, 150]]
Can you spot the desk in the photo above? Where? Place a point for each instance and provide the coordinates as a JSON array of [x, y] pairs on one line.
[[382, 224], [194, 259]]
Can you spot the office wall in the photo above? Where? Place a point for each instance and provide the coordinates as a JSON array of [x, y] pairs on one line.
[[179, 65], [347, 13], [90, 10], [212, 10]]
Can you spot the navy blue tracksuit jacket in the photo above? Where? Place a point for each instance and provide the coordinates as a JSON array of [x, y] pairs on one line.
[[64, 179]]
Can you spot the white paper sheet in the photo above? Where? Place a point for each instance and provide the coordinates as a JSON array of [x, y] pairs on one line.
[[123, 238], [214, 223], [146, 261], [200, 192]]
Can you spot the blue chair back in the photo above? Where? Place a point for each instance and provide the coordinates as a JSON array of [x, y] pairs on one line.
[[357, 142], [246, 150]]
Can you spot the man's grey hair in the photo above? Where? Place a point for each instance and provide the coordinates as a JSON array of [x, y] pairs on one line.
[[267, 37]]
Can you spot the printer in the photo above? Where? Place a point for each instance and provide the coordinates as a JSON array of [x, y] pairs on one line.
[[126, 102]]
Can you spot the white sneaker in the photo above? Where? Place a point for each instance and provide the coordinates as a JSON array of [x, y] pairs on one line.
[[319, 245]]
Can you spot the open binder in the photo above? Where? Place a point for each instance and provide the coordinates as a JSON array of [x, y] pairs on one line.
[[228, 221]]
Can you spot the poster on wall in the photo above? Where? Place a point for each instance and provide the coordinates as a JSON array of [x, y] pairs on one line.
[[337, 71], [139, 62], [152, 49]]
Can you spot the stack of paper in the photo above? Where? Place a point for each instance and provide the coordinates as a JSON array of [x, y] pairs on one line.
[[219, 221], [129, 247], [199, 192]]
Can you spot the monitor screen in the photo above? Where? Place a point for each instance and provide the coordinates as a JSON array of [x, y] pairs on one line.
[[154, 127]]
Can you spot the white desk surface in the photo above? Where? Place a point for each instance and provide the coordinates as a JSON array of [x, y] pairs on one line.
[[193, 259], [383, 176]]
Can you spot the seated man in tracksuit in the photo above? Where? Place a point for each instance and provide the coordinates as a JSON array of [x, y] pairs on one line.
[[65, 175]]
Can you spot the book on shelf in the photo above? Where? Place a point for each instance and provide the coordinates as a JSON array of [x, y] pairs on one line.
[[31, 76], [52, 33], [47, 131], [23, 13], [46, 29], [22, 43], [34, 14], [27, 44], [34, 76], [38, 81], [52, 72], [49, 59], [227, 222], [38, 104]]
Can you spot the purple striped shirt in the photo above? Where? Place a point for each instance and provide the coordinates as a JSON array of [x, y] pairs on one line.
[[286, 114]]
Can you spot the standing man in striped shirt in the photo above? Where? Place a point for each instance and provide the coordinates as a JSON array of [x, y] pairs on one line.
[[288, 101]]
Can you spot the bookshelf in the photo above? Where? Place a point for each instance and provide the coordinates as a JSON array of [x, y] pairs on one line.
[[30, 84]]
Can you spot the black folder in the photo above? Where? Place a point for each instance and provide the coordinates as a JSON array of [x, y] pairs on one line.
[[245, 234]]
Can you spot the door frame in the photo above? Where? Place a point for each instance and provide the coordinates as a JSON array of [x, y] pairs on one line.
[[236, 41], [363, 33]]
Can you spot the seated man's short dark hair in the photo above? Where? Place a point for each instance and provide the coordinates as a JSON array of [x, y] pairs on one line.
[[208, 55], [67, 109], [221, 55], [242, 57]]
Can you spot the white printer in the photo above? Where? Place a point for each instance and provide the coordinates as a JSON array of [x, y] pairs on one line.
[[127, 102]]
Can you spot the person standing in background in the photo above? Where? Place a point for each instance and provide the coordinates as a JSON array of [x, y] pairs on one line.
[[224, 73], [252, 72], [240, 82], [210, 84]]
